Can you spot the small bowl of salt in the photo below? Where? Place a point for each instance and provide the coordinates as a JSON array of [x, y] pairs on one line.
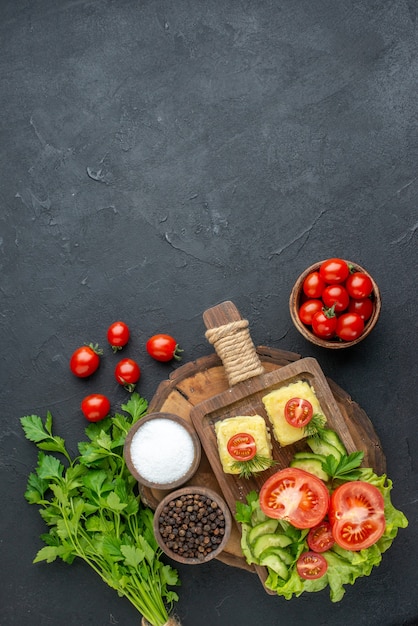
[[162, 451]]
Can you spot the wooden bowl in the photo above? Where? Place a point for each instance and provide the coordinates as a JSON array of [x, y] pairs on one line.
[[162, 462], [216, 538], [296, 299]]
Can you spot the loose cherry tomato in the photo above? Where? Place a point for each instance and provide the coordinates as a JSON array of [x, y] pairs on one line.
[[349, 326], [359, 285], [313, 285], [356, 515], [118, 335], [127, 373], [298, 412], [336, 296], [85, 361], [320, 538], [242, 447], [296, 496], [311, 565], [334, 271], [324, 324], [308, 309], [363, 307], [95, 407], [163, 348]]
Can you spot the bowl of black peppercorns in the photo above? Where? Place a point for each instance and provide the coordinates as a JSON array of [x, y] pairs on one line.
[[192, 525]]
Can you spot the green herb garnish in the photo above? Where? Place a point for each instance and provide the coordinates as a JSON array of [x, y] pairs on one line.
[[257, 464], [345, 468], [93, 512], [315, 425]]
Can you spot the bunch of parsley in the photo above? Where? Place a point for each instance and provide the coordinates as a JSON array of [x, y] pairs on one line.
[[93, 511]]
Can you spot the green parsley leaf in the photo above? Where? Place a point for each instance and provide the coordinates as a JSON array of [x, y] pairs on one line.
[[344, 469]]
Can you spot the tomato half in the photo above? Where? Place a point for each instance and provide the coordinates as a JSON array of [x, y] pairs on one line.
[[118, 335], [359, 285], [163, 348], [298, 412], [349, 326], [313, 285], [334, 271], [242, 447], [336, 296], [311, 565], [85, 361], [356, 515], [324, 324], [127, 373], [296, 496], [363, 307], [95, 407], [308, 309], [320, 538]]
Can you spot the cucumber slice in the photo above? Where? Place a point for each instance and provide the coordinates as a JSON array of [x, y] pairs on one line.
[[264, 528], [309, 455], [274, 562], [331, 437], [245, 545], [313, 466], [285, 556], [275, 540], [320, 446]]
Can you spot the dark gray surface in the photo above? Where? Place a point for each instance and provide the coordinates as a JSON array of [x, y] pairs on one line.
[[160, 157]]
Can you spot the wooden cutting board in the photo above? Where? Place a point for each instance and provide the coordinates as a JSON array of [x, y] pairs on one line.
[[196, 382]]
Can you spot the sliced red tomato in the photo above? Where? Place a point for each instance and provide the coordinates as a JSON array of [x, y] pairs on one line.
[[242, 447], [298, 412], [357, 515], [311, 565], [296, 496], [320, 538]]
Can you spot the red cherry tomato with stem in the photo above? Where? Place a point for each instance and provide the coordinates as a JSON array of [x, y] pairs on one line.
[[324, 323], [359, 285], [311, 565], [95, 407], [349, 326], [334, 271], [308, 309], [320, 538], [118, 335], [363, 307], [127, 373], [336, 296], [163, 348], [85, 360], [313, 285]]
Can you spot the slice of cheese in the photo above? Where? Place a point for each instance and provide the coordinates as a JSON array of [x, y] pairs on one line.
[[274, 403], [254, 425]]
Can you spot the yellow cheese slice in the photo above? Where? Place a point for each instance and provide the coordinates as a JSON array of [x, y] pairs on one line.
[[253, 425], [274, 403]]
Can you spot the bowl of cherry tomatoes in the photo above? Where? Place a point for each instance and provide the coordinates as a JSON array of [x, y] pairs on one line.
[[335, 303]]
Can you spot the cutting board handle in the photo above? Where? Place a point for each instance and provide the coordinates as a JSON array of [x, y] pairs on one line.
[[230, 336]]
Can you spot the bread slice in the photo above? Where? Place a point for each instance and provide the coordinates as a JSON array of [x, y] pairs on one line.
[[274, 403], [253, 425]]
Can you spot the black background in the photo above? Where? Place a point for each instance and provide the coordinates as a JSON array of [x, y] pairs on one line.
[[160, 157]]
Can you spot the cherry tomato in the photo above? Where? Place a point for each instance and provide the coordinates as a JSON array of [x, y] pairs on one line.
[[320, 538], [296, 496], [163, 348], [334, 271], [298, 412], [313, 285], [308, 309], [349, 326], [311, 565], [363, 307], [336, 296], [242, 447], [127, 373], [357, 515], [324, 324], [95, 407], [359, 285], [85, 361], [118, 335]]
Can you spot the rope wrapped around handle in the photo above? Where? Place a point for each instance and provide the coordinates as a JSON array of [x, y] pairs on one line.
[[234, 346]]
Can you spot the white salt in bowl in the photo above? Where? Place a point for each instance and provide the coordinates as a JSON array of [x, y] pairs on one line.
[[162, 451]]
